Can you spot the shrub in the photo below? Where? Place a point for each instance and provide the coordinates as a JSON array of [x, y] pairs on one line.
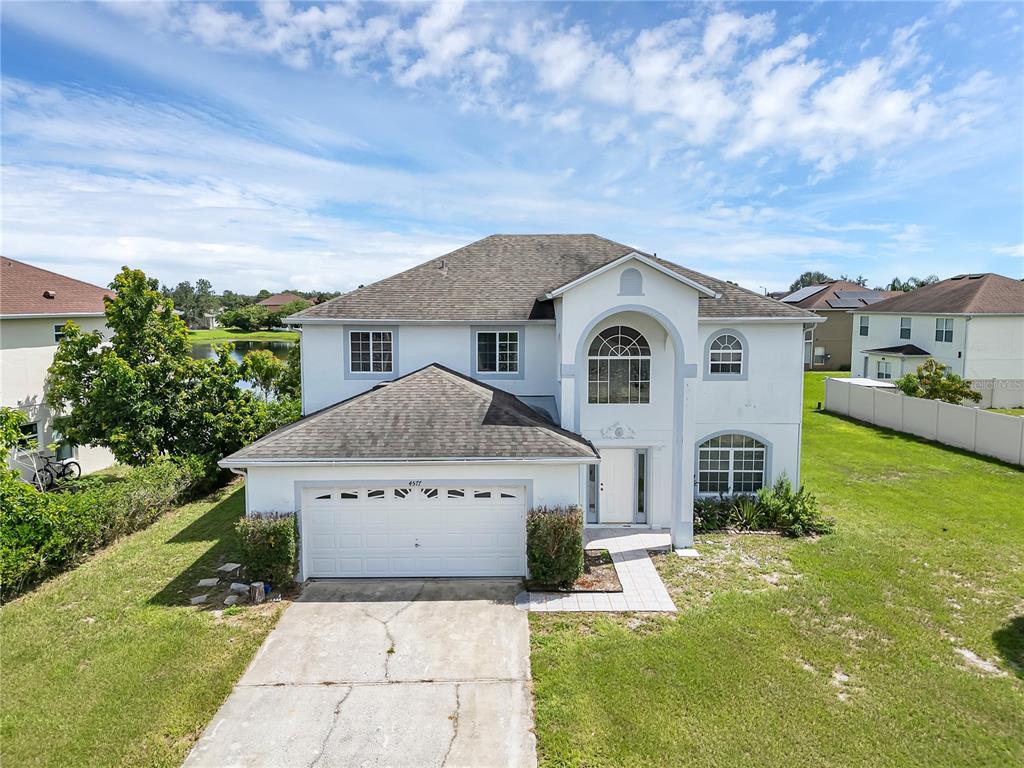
[[793, 513], [711, 513], [554, 545], [745, 514], [42, 534], [268, 548]]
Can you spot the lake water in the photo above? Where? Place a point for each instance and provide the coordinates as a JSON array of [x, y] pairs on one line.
[[204, 351]]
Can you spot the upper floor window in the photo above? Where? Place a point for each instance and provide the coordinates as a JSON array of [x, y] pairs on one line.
[[619, 365], [371, 351], [944, 329], [28, 439], [725, 355], [731, 464], [497, 351], [58, 332], [904, 327], [863, 325]]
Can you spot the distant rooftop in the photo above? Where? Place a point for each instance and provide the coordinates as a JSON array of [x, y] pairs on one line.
[[978, 293], [838, 294]]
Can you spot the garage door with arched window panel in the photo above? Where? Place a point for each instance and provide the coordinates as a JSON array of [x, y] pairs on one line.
[[422, 530]]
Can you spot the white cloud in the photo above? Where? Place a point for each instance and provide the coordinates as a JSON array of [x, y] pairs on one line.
[[1010, 250]]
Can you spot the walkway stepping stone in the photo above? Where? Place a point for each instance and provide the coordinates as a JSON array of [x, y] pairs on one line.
[[198, 599], [208, 582], [230, 599], [229, 567], [238, 586]]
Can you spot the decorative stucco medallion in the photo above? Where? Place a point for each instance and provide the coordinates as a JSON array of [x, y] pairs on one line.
[[618, 431]]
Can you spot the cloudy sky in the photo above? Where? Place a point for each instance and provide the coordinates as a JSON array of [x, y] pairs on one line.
[[323, 146]]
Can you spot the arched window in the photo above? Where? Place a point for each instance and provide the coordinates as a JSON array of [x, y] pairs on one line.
[[620, 367], [731, 464], [631, 282], [725, 355]]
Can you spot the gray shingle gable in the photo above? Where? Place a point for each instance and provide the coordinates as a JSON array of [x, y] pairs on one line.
[[431, 414], [504, 278]]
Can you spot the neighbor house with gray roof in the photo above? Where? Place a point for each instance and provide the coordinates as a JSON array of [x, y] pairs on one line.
[[972, 323], [444, 402]]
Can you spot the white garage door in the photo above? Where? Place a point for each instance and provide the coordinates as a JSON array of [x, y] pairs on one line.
[[381, 530]]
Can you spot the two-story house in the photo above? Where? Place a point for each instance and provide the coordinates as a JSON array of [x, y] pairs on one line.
[[972, 323], [34, 306], [523, 370], [827, 345]]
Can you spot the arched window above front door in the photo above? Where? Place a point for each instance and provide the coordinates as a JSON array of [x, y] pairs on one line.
[[619, 367]]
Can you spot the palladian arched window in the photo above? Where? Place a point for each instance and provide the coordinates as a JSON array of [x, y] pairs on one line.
[[619, 365], [725, 355]]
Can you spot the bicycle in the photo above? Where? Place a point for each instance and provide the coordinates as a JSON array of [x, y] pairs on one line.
[[47, 475]]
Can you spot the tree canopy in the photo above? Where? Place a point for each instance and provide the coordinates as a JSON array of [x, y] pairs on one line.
[[935, 381], [911, 283], [809, 278]]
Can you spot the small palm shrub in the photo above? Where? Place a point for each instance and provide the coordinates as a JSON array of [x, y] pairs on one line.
[[746, 514], [711, 513], [554, 545], [268, 548]]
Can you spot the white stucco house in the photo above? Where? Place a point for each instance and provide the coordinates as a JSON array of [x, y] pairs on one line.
[[522, 370], [34, 306], [973, 323]]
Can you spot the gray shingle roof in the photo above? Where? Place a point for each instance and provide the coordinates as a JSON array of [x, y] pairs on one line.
[[433, 413], [969, 294], [505, 278]]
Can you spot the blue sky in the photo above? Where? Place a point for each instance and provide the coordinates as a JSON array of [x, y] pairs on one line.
[[323, 146]]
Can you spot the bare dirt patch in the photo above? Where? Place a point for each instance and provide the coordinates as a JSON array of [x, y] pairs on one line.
[[598, 575]]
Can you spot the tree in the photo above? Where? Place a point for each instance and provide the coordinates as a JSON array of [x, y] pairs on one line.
[[277, 318], [934, 381], [263, 294], [911, 283], [250, 318], [142, 395], [289, 385], [263, 370], [858, 280], [806, 279], [231, 300]]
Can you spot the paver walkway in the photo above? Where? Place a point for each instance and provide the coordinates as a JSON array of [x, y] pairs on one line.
[[642, 588]]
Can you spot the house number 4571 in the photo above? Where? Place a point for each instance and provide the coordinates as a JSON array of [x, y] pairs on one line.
[[413, 483]]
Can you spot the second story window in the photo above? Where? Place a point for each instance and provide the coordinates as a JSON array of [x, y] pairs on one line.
[[725, 355], [58, 332], [497, 351], [619, 367], [371, 351], [944, 329], [863, 325], [904, 327]]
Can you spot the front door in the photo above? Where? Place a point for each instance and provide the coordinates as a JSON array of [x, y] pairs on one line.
[[618, 486]]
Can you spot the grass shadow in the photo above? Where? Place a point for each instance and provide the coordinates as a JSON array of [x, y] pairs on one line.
[[1009, 642], [216, 526]]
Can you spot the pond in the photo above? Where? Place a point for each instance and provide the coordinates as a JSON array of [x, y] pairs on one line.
[[205, 351]]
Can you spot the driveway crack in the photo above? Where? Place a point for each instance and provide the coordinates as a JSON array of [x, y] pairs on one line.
[[454, 717], [390, 650], [330, 731]]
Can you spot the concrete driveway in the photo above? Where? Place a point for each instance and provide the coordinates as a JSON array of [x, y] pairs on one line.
[[410, 672]]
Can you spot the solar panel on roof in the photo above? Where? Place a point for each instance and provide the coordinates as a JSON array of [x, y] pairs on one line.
[[844, 303], [854, 294], [803, 293]]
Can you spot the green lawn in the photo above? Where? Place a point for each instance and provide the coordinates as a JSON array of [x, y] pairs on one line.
[[233, 334], [107, 665], [842, 651], [1010, 411]]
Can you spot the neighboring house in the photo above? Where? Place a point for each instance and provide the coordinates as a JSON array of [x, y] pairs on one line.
[[972, 323], [207, 322], [523, 370], [278, 300], [34, 306], [827, 345]]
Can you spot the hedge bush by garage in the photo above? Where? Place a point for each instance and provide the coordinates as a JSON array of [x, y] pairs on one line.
[[42, 534], [268, 548], [554, 545]]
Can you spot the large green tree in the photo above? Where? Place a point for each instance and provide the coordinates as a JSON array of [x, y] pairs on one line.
[[935, 381], [813, 277], [142, 395]]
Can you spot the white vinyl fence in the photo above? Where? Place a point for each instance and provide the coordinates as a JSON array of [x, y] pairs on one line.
[[974, 429]]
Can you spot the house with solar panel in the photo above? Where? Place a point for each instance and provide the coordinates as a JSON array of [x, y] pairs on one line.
[[827, 345]]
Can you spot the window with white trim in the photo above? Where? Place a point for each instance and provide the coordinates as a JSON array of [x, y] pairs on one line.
[[863, 325], [904, 327], [619, 367], [884, 369], [729, 464], [819, 355], [58, 332], [29, 437], [725, 356], [944, 329], [370, 351], [497, 351]]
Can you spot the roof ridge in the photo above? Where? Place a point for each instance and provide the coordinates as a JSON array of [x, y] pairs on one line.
[[56, 274]]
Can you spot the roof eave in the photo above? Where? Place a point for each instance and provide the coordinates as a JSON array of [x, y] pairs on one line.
[[761, 319], [41, 315], [233, 462]]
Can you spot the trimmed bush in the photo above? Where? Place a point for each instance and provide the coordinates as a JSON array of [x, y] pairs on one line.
[[554, 545], [42, 534], [268, 548], [777, 508]]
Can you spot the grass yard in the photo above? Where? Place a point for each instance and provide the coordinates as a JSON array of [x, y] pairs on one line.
[[1008, 411], [233, 334], [104, 665], [897, 641]]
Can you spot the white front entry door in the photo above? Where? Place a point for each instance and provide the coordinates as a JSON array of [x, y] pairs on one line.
[[381, 530], [618, 486]]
